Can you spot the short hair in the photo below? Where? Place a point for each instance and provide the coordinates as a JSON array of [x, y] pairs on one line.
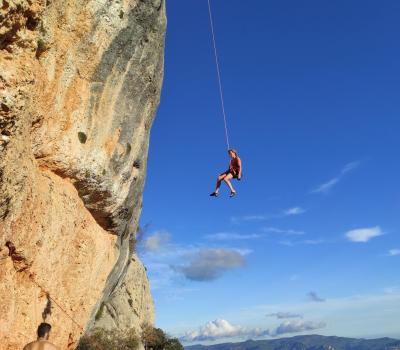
[[43, 329], [234, 151]]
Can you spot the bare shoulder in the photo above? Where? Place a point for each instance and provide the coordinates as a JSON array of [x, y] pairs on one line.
[[42, 345], [50, 346], [28, 346]]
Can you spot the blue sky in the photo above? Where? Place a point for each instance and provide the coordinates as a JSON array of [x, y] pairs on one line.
[[311, 243]]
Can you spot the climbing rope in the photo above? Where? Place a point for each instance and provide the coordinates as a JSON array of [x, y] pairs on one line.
[[32, 278], [218, 74], [82, 330], [92, 341]]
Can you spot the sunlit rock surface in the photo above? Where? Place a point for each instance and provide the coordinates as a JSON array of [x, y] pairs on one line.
[[79, 87]]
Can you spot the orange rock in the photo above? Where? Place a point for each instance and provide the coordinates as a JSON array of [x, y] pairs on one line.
[[76, 105]]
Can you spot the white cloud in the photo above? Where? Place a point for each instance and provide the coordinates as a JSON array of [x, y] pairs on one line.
[[294, 211], [264, 217], [312, 296], [291, 243], [350, 166], [209, 264], [364, 234], [296, 326], [228, 236], [394, 252], [156, 242], [287, 243], [282, 315], [327, 186], [160, 274], [392, 290], [313, 241], [285, 232], [257, 217], [220, 329]]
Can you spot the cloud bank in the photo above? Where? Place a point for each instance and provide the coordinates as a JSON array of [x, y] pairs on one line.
[[296, 326], [220, 329]]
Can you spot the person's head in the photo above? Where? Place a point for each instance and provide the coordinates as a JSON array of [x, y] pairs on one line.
[[43, 331], [233, 153]]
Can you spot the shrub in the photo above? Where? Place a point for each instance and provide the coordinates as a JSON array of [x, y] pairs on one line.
[[174, 344], [152, 339], [157, 339], [101, 339]]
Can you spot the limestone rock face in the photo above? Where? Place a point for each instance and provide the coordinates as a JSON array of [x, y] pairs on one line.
[[132, 295], [80, 83]]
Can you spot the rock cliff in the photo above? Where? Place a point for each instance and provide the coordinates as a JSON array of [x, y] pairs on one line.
[[80, 83]]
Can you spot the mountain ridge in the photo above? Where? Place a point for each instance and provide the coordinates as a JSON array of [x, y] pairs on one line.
[[306, 342]]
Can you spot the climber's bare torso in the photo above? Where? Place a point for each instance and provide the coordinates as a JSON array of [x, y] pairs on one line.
[[40, 345]]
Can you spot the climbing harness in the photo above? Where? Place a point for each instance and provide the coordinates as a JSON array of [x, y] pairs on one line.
[[218, 73]]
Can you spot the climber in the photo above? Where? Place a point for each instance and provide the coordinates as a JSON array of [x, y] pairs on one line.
[[42, 342], [234, 172]]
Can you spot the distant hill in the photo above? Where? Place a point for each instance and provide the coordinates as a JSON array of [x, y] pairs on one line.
[[306, 342]]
